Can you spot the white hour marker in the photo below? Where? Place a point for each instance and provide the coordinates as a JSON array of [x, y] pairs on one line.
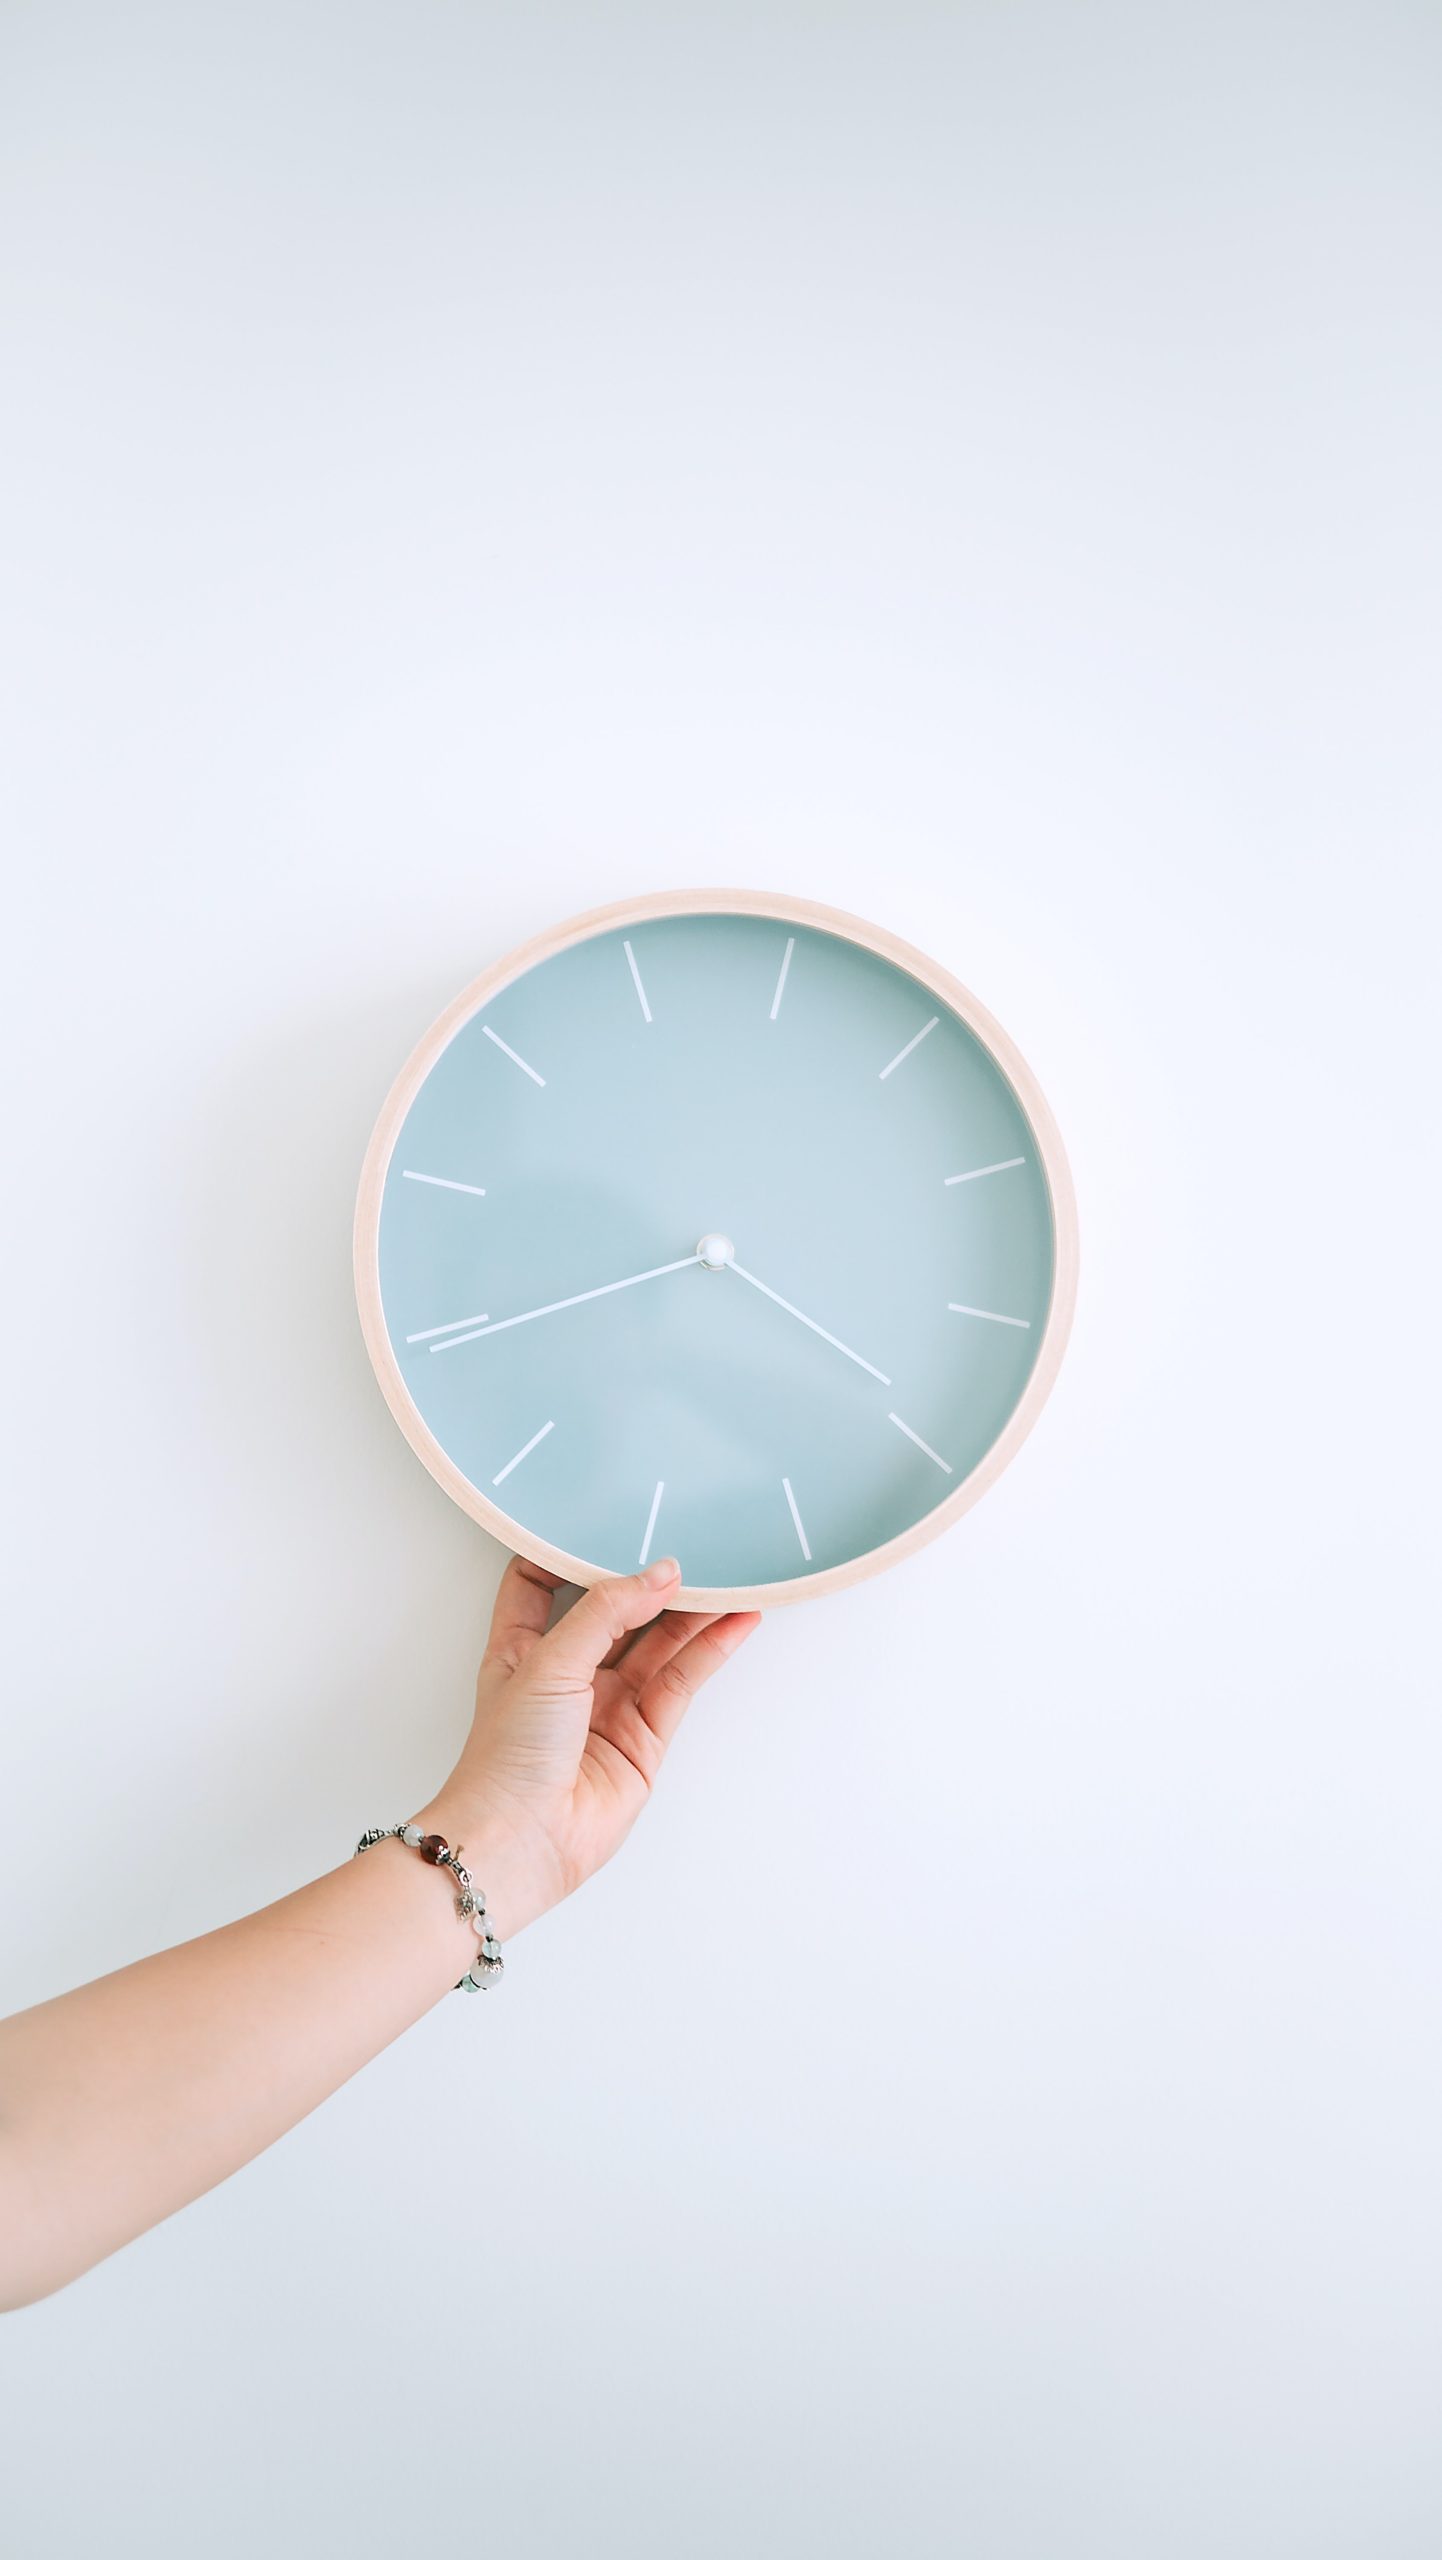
[[513, 1054], [914, 1043], [636, 976], [651, 1522], [534, 1442], [453, 1327], [795, 1516], [1005, 1166], [442, 1182], [987, 1316], [781, 981], [921, 1444]]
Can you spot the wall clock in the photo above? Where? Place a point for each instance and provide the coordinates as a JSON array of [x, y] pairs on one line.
[[717, 1225]]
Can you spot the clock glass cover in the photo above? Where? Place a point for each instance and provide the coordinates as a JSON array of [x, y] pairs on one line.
[[715, 1235]]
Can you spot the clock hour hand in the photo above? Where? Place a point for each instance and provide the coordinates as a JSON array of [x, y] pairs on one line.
[[502, 1323], [777, 1300]]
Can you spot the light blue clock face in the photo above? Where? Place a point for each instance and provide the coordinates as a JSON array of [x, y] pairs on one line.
[[719, 1238]]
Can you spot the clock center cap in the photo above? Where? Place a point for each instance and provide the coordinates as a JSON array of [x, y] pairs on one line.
[[715, 1252]]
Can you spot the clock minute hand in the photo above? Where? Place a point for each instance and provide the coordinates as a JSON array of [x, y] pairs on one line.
[[502, 1323], [777, 1300]]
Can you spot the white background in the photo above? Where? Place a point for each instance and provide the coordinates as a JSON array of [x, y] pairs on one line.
[[975, 466]]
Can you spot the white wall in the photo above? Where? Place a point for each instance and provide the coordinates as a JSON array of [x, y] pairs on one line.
[[975, 466]]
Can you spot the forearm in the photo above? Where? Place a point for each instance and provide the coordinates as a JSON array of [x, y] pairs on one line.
[[123, 2100]]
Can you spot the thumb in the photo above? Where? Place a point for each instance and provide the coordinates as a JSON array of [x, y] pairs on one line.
[[571, 1655]]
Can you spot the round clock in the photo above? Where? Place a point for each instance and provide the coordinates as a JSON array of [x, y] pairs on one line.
[[716, 1225]]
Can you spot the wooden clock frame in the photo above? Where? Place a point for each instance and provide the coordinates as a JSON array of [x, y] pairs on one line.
[[790, 911]]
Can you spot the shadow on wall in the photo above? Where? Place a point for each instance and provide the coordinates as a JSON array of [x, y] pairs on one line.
[[351, 1606]]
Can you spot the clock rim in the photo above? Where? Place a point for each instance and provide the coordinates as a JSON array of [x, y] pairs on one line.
[[1056, 1172]]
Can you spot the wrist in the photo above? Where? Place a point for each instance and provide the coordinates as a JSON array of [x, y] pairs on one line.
[[505, 1865]]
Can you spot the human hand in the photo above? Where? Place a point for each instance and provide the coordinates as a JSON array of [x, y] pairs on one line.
[[571, 1727]]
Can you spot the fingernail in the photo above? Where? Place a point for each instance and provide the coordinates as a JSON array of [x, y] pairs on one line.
[[664, 1570]]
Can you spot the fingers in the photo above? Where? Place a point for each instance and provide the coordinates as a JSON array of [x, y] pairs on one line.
[[522, 1612], [669, 1692], [641, 1727], [573, 1652], [637, 1659]]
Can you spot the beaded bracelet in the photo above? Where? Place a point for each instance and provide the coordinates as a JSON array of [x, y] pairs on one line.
[[470, 1901]]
